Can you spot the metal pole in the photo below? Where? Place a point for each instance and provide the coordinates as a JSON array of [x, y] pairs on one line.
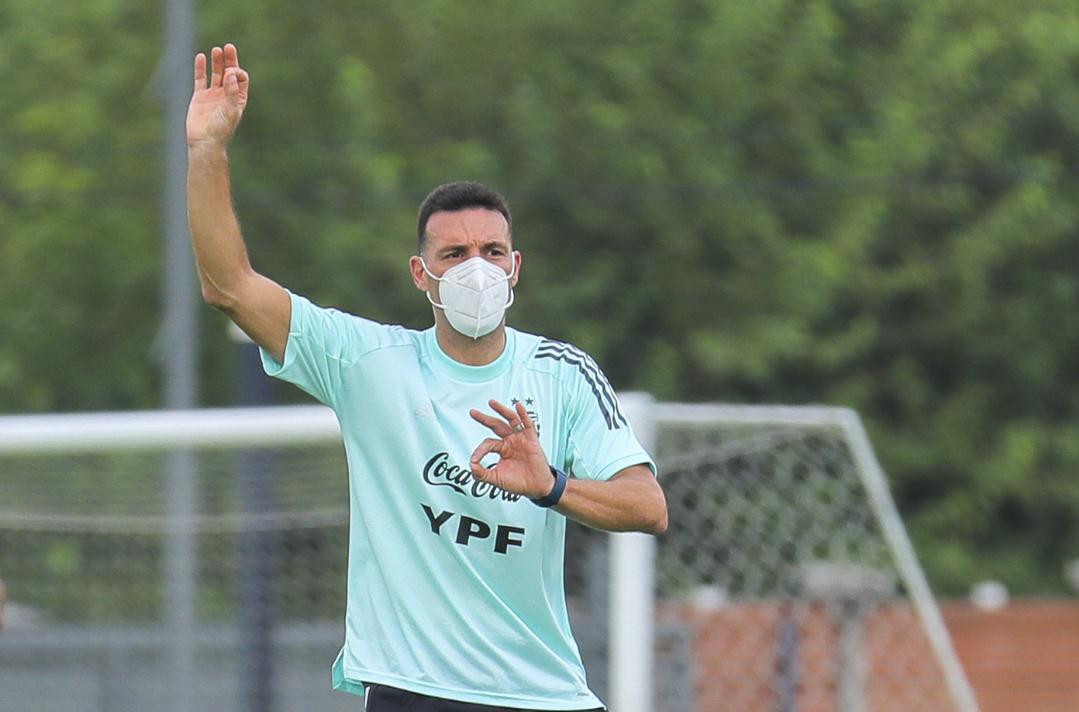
[[180, 577], [593, 632], [254, 549], [851, 663], [909, 569], [788, 643], [179, 351], [633, 592], [181, 315]]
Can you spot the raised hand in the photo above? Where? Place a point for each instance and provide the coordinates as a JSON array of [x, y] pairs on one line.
[[215, 109], [522, 467]]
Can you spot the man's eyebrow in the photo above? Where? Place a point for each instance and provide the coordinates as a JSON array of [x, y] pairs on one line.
[[504, 244]]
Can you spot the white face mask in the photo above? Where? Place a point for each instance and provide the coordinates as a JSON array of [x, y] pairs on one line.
[[475, 294]]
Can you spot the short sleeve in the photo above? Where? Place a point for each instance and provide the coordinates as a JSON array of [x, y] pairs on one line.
[[321, 343], [601, 440]]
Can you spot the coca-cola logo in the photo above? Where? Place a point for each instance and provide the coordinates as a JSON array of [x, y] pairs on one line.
[[440, 472]]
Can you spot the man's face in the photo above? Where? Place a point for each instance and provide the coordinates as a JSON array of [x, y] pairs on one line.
[[453, 237]]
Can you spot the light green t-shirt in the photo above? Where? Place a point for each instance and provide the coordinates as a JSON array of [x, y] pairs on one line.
[[455, 588]]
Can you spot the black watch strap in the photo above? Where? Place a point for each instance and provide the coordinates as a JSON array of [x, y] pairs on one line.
[[560, 480]]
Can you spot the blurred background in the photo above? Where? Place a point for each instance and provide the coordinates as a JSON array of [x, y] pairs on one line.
[[864, 203]]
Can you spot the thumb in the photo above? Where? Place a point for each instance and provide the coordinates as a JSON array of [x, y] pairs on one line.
[[481, 473]]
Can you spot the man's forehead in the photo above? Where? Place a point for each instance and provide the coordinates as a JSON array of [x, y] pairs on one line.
[[467, 226]]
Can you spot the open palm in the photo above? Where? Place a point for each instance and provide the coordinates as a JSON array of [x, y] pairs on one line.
[[216, 108]]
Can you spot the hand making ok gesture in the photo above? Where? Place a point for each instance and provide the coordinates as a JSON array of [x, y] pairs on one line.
[[215, 110], [522, 467]]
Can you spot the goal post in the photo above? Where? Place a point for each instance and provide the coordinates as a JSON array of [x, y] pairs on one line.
[[786, 581], [907, 561], [632, 590], [831, 571]]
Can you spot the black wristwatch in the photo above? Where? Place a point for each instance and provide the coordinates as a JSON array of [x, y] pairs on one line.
[[560, 480]]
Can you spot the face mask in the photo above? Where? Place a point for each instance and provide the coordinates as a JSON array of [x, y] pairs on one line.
[[475, 294]]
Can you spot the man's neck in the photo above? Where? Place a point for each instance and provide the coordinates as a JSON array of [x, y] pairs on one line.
[[470, 352]]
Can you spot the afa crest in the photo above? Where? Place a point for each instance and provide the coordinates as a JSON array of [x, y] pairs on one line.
[[530, 408]]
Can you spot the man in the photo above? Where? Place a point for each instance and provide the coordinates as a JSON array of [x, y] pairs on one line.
[[458, 440]]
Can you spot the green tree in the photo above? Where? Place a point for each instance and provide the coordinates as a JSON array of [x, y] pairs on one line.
[[860, 202]]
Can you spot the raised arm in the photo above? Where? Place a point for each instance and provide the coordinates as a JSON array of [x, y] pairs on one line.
[[257, 304]]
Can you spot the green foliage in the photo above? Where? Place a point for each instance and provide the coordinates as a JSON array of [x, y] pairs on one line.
[[78, 206], [860, 202]]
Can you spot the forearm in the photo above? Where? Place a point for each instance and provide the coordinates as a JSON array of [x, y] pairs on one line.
[[626, 503], [215, 231]]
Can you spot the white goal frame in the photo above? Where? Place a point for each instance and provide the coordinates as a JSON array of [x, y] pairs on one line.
[[632, 556]]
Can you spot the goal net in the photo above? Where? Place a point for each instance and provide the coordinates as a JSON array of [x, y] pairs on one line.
[[786, 581], [196, 560]]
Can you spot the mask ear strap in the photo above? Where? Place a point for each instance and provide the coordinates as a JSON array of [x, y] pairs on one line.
[[428, 294], [434, 303], [513, 294], [429, 274]]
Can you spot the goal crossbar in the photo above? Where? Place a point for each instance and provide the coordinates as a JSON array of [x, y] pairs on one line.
[[163, 429]]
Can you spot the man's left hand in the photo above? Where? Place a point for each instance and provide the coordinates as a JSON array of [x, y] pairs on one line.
[[522, 467]]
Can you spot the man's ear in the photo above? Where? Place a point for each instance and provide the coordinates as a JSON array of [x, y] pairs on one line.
[[518, 259], [419, 276]]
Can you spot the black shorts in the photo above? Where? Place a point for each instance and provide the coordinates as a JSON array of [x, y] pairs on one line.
[[380, 698]]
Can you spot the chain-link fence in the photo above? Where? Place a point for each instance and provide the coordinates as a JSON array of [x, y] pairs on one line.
[[775, 587]]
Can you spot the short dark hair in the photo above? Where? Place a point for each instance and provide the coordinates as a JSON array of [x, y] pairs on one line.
[[459, 195]]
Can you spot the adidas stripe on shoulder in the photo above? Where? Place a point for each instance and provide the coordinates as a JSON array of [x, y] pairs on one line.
[[601, 388]]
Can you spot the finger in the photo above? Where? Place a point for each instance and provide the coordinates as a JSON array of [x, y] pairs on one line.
[[232, 87], [217, 67], [232, 57], [522, 413], [504, 411], [200, 71], [484, 449], [498, 427]]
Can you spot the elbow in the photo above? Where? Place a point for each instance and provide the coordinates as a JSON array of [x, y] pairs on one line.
[[655, 513], [659, 523]]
